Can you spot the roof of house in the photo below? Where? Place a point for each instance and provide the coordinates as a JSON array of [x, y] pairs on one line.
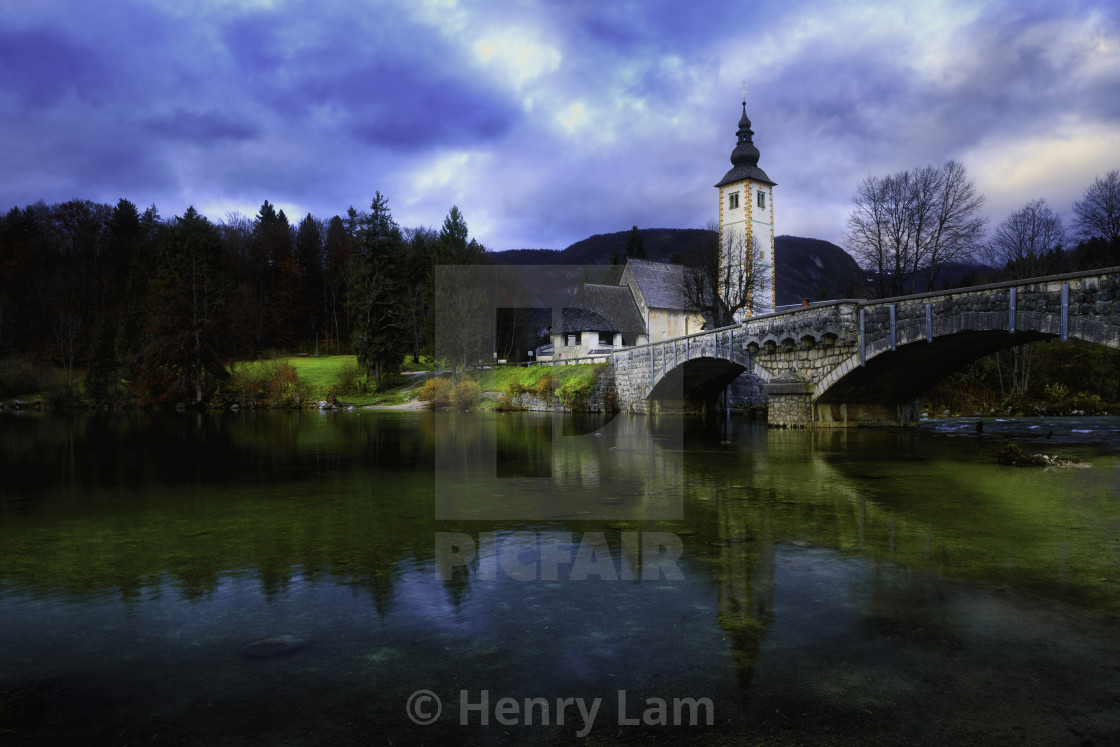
[[661, 283], [604, 308]]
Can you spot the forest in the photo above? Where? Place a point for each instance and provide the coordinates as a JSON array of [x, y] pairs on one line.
[[153, 309]]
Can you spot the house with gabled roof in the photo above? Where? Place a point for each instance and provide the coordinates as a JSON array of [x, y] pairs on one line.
[[658, 289], [646, 305]]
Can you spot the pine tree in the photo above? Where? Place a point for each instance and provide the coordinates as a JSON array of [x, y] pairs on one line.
[[377, 295], [635, 248]]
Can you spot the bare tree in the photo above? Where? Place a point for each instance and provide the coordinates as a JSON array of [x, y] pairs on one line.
[[879, 231], [464, 308], [1099, 213], [954, 229], [66, 328], [906, 227], [722, 282], [1024, 245]]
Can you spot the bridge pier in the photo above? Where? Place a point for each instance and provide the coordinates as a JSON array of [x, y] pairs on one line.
[[797, 410], [791, 405]]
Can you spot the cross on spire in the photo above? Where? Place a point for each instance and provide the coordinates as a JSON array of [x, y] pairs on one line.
[[744, 91]]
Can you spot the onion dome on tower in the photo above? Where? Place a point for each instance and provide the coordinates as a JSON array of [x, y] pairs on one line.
[[744, 159]]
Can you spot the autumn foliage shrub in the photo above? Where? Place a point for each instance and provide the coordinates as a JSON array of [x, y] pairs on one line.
[[436, 392], [466, 394], [275, 384]]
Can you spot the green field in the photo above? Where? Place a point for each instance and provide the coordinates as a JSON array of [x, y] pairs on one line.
[[339, 375]]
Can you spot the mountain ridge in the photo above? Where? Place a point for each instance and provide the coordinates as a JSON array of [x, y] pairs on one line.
[[804, 268]]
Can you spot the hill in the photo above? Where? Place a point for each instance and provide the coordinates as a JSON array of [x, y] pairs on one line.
[[806, 268]]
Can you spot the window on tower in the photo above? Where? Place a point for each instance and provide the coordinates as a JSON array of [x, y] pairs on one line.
[[733, 201], [762, 199]]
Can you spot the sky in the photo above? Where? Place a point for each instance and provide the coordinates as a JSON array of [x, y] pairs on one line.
[[547, 121]]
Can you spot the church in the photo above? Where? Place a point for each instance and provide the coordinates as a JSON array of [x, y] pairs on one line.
[[647, 304]]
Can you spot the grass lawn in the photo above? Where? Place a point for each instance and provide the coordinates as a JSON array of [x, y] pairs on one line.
[[321, 376], [516, 379]]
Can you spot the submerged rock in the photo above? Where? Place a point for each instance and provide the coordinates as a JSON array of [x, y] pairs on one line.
[[269, 648], [1012, 454]]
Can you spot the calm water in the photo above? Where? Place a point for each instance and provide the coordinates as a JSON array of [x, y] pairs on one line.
[[801, 587]]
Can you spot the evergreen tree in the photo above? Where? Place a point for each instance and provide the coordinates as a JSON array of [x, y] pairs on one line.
[[184, 330], [309, 258], [455, 245], [338, 250], [635, 248], [377, 295]]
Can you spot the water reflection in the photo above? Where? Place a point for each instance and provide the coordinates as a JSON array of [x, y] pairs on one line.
[[542, 466], [823, 571]]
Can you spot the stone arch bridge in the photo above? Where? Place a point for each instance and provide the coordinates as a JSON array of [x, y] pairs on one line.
[[854, 362]]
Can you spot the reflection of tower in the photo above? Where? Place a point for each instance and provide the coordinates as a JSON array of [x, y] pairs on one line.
[[746, 583], [746, 222]]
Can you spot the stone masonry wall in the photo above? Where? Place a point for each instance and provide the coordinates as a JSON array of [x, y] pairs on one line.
[[820, 345]]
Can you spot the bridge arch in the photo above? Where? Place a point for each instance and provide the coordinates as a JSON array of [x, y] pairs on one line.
[[922, 355], [699, 379]]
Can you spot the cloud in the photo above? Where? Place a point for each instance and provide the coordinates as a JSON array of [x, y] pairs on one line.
[[41, 67], [200, 127], [546, 122]]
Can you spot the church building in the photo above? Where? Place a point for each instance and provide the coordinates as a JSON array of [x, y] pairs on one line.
[[648, 304], [746, 224]]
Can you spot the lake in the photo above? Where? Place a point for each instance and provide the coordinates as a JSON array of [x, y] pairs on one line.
[[382, 577]]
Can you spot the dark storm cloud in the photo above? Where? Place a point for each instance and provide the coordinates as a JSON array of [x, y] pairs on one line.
[[544, 121], [40, 67], [200, 127], [385, 90]]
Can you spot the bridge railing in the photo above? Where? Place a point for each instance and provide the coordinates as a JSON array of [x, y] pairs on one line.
[[605, 358]]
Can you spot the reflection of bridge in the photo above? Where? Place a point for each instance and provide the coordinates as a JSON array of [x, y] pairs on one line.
[[850, 362]]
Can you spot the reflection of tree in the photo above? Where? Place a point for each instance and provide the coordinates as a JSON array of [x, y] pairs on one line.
[[193, 526]]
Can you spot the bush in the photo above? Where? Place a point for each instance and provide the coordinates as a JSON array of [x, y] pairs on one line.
[[1086, 404], [1057, 391], [274, 383], [436, 392], [350, 379], [543, 390], [466, 393], [284, 387]]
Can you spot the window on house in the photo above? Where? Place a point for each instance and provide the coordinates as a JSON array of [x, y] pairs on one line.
[[607, 338], [733, 201], [762, 199]]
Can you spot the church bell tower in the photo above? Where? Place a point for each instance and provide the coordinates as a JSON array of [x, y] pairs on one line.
[[746, 226]]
